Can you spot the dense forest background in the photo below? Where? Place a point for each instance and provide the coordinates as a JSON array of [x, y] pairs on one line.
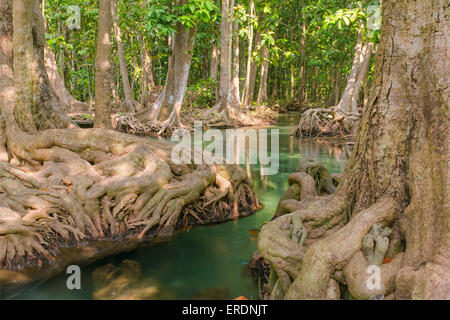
[[308, 46]]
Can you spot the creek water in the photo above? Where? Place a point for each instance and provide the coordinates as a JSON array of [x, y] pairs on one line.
[[206, 262]]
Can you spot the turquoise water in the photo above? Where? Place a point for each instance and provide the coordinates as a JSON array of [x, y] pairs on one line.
[[210, 261]]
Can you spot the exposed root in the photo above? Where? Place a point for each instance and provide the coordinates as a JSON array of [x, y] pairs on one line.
[[322, 122], [326, 256], [99, 185], [357, 277]]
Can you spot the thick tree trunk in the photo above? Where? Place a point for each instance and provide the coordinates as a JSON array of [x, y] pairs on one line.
[[250, 92], [250, 51], [166, 111], [214, 66], [353, 82], [103, 71], [366, 54], [129, 105], [225, 54], [397, 177], [235, 88]]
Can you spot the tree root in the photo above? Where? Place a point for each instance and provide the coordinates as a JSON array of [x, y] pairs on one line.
[[326, 256], [98, 185], [326, 122], [140, 124], [357, 277]]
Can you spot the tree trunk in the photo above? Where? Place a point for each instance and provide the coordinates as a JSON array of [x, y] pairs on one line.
[[129, 105], [262, 93], [391, 206], [68, 102], [103, 71], [249, 98], [37, 104], [235, 87], [353, 82], [366, 54], [250, 51]]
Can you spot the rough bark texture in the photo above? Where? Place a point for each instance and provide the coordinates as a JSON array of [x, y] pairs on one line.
[[235, 87], [397, 177], [103, 71], [250, 51], [39, 107], [250, 91], [67, 101]]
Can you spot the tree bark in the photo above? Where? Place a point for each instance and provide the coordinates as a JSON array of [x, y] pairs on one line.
[[37, 104], [214, 66], [366, 54], [103, 70], [249, 97]]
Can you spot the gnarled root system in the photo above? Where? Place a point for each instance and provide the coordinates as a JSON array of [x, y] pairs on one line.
[[73, 186]]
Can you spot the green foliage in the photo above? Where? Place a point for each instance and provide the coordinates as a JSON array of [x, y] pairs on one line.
[[329, 41]]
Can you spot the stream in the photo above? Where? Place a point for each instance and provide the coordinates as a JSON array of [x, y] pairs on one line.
[[205, 262]]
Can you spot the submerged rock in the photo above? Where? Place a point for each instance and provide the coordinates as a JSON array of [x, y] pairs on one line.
[[126, 283]]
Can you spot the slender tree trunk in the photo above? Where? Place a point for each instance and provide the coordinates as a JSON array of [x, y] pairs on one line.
[[37, 106], [129, 103], [103, 71], [214, 66], [262, 93], [225, 54]]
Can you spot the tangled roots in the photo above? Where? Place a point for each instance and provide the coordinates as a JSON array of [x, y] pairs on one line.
[[314, 253], [103, 185], [326, 122]]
